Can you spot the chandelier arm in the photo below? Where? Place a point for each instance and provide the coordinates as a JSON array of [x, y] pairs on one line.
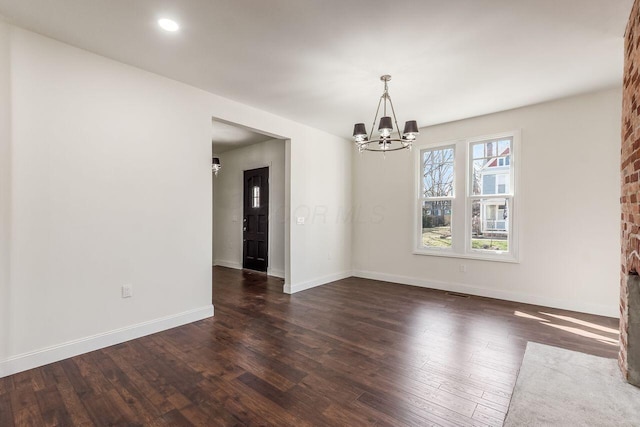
[[393, 111], [403, 145], [375, 118]]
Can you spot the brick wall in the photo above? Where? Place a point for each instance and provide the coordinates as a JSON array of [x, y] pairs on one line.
[[630, 157]]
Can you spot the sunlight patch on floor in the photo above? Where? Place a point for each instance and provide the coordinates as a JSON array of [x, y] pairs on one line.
[[601, 338], [529, 316], [583, 323]]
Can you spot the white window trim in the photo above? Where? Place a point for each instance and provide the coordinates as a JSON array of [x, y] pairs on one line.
[[461, 204]]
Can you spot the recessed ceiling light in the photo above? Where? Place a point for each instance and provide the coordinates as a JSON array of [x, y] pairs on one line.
[[168, 24]]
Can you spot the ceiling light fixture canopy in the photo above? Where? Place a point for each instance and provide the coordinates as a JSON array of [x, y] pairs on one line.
[[386, 141], [216, 165]]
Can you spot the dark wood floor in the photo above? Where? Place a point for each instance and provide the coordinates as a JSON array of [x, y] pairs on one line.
[[355, 352]]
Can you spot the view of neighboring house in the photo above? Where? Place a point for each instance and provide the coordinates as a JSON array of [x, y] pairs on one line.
[[492, 172]]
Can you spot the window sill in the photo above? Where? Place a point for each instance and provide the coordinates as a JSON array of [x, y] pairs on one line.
[[473, 255]]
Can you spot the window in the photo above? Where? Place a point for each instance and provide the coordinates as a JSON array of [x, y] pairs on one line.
[[466, 198], [255, 196], [436, 196]]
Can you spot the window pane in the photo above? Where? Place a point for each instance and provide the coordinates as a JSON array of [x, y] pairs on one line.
[[436, 224], [255, 197], [491, 172], [490, 224], [437, 172]]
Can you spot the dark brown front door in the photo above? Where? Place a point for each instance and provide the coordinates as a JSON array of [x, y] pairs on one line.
[[256, 219]]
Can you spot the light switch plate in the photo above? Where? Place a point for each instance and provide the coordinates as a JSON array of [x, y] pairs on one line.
[[127, 291]]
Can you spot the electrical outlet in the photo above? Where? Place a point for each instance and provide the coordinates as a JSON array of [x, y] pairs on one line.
[[127, 291], [463, 268]]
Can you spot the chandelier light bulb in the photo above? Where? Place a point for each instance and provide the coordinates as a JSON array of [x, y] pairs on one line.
[[411, 130], [359, 132], [386, 127]]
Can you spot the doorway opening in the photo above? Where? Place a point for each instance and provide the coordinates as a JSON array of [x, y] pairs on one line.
[[250, 199]]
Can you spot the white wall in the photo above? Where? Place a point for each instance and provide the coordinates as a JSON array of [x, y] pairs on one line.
[[228, 207], [5, 186], [111, 185], [569, 207], [321, 194]]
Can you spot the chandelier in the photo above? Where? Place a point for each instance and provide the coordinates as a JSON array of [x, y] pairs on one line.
[[215, 165], [387, 140]]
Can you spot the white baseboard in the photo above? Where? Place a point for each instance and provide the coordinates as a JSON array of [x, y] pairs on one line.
[[275, 272], [297, 287], [599, 309], [34, 359], [229, 264]]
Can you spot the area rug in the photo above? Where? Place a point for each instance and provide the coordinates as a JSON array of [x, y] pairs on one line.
[[557, 387]]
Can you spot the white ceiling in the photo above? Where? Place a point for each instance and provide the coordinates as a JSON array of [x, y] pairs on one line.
[[318, 61], [229, 137]]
